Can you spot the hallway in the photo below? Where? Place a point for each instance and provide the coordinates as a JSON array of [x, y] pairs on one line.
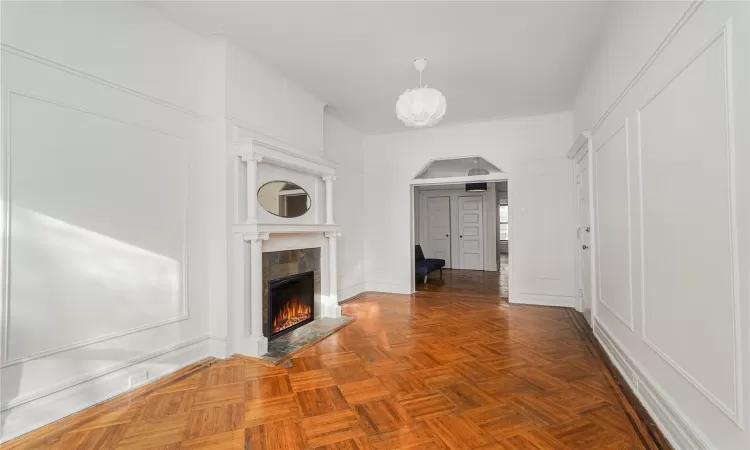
[[477, 283], [426, 371]]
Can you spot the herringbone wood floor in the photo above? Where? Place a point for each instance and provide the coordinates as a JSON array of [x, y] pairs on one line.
[[430, 371]]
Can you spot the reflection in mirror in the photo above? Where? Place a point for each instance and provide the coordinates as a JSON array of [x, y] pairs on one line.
[[283, 199]]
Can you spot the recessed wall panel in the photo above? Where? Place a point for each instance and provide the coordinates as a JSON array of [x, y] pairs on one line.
[[688, 224], [613, 219], [97, 227]]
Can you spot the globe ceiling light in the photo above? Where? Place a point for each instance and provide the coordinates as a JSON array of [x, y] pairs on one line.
[[423, 106]]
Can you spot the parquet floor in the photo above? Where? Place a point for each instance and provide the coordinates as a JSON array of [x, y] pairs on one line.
[[428, 371], [476, 284]]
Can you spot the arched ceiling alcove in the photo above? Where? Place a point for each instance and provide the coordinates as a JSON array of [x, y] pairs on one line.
[[456, 168]]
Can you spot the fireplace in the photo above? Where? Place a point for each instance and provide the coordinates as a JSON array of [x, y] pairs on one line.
[[291, 303]]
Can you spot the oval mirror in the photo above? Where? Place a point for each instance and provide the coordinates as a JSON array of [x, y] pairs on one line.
[[283, 199]]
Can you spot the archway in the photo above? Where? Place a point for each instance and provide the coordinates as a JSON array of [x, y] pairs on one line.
[[469, 173]]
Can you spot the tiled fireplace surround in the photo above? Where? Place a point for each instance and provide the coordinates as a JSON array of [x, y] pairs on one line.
[[285, 263]]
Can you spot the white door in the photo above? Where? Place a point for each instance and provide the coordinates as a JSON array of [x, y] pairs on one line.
[[584, 234], [439, 229], [470, 233]]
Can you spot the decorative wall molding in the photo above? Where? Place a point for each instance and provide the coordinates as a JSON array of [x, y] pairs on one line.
[[97, 374], [628, 322], [286, 156], [736, 411], [5, 173], [244, 132], [671, 422], [579, 146], [691, 9], [93, 78], [245, 318]]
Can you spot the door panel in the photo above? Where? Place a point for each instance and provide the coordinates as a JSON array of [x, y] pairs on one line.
[[471, 233], [439, 229]]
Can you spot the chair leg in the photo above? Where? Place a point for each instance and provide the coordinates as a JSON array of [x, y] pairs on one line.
[[425, 279], [441, 273]]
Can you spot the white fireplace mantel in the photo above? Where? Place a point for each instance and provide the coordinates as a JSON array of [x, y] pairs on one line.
[[245, 312]]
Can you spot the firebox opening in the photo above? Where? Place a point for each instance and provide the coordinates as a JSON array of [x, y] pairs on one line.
[[291, 302]]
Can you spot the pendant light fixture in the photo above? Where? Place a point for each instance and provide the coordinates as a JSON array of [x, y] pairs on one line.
[[477, 171], [423, 106]]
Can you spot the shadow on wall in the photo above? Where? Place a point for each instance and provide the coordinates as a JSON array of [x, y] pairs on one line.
[[70, 288]]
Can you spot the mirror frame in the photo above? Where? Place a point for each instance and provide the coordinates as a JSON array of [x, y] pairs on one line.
[[309, 198]]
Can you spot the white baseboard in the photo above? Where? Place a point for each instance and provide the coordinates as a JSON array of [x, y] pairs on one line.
[[218, 347], [543, 300], [351, 291], [389, 288], [678, 431], [47, 408]]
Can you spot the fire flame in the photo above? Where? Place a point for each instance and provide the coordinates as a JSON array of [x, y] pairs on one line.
[[292, 313]]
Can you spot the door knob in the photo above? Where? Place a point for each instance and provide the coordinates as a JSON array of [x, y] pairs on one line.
[[585, 247], [588, 229], [446, 235], [460, 236]]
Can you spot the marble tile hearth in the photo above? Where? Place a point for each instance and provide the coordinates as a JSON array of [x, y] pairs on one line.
[[304, 336]]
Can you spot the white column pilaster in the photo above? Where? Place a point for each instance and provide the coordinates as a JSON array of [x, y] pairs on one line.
[[251, 178], [331, 307], [258, 341], [329, 179]]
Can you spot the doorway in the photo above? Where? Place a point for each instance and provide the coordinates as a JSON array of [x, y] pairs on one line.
[[462, 228], [503, 236]]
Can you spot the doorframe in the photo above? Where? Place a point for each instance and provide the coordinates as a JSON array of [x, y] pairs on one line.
[[493, 178], [583, 147]]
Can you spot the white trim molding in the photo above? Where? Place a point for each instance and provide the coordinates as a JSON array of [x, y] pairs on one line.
[[734, 412], [5, 175], [245, 308], [70, 396], [676, 428], [629, 321], [691, 9], [579, 145], [544, 300]]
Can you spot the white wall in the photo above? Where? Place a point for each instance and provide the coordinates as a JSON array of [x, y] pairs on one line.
[[262, 101], [118, 154], [104, 110], [672, 164], [343, 146], [529, 149]]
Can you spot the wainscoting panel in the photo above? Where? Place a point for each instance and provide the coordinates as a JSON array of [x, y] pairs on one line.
[[613, 220], [97, 211], [671, 422], [690, 292]]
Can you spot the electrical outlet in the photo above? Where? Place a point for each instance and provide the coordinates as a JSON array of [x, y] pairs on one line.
[[138, 378]]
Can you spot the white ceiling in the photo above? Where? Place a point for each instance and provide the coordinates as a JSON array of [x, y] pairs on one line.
[[490, 59]]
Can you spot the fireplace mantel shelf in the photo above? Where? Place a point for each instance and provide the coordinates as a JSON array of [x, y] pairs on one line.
[[288, 228]]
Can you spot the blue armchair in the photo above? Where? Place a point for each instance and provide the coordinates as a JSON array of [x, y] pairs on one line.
[[423, 266]]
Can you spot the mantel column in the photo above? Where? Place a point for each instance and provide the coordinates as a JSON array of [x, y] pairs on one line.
[[331, 308], [255, 329], [251, 178], [329, 179]]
